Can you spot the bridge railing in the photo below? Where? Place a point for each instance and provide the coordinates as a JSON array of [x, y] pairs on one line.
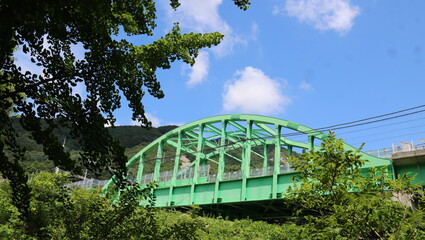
[[188, 174], [87, 183], [402, 147]]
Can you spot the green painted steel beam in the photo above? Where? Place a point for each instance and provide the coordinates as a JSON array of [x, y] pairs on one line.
[[159, 156], [200, 139], [276, 161], [246, 164], [231, 138], [220, 169], [198, 159], [235, 146], [140, 170], [176, 167], [242, 128], [190, 151], [284, 140], [207, 142]]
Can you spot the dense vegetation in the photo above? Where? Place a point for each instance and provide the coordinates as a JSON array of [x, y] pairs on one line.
[[133, 138], [128, 136], [86, 214], [322, 198]]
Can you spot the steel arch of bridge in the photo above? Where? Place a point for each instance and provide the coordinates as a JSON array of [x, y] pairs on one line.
[[204, 154]]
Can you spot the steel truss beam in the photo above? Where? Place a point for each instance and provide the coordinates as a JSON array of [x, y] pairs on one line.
[[217, 140]]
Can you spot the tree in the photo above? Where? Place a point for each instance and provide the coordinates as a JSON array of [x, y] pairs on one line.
[[335, 198], [111, 68], [62, 213]]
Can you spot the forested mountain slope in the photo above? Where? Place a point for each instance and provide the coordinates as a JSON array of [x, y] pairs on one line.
[[133, 138]]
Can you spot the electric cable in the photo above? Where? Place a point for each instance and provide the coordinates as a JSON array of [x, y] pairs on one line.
[[378, 133], [350, 126], [385, 125], [409, 134], [383, 115]]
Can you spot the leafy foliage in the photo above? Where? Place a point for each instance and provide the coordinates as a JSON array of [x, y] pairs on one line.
[[87, 214], [334, 198], [60, 213], [112, 68]]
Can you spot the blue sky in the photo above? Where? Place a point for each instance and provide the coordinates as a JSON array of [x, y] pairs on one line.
[[315, 62]]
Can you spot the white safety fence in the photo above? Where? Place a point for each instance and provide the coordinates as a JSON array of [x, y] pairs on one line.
[[396, 148], [87, 183]]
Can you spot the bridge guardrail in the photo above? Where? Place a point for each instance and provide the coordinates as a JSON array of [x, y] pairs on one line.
[[188, 173], [87, 183], [403, 147]]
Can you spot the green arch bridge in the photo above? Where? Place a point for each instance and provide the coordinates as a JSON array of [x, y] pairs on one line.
[[229, 163]]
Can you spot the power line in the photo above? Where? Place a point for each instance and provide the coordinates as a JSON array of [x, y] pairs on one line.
[[385, 125], [380, 120], [383, 115], [380, 139], [398, 129], [358, 124]]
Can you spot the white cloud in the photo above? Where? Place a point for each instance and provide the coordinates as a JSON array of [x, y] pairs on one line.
[[252, 91], [175, 124], [109, 123], [156, 122], [203, 16], [199, 70], [337, 15], [255, 30], [277, 10], [306, 86]]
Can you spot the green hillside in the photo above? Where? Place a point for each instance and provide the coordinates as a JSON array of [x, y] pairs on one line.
[[133, 138], [129, 136]]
